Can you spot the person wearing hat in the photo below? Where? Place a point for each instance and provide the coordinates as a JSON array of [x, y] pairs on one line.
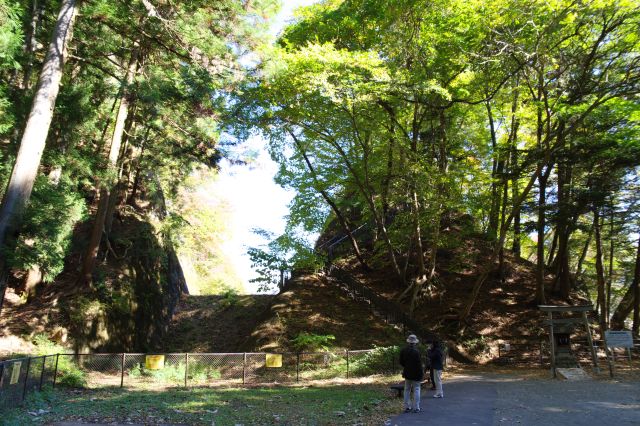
[[412, 371]]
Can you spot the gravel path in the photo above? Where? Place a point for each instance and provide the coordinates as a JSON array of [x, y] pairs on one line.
[[492, 399]]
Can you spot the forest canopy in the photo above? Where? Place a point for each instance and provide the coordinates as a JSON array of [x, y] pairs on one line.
[[522, 116]]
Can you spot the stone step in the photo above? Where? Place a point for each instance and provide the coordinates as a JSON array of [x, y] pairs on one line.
[[573, 374]]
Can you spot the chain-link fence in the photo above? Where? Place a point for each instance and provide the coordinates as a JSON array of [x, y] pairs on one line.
[[19, 377]]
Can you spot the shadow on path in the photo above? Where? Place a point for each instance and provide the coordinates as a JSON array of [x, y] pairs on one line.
[[467, 401]]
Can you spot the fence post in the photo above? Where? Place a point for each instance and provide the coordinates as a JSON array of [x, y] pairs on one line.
[[44, 364], [26, 379], [186, 368], [55, 371], [298, 367], [122, 369], [1, 375], [347, 363], [244, 368]]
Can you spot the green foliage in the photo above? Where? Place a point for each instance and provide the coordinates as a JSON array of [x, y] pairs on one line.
[[229, 298], [476, 346], [311, 342], [377, 361], [10, 33], [49, 222], [281, 255]]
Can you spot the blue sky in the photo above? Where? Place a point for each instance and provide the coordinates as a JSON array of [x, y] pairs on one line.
[[253, 197]]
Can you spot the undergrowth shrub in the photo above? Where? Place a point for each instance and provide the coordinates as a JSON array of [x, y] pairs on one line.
[[69, 374], [377, 361], [311, 342]]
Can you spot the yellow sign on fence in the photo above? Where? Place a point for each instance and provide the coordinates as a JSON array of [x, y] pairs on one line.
[[15, 372], [273, 360], [154, 362]]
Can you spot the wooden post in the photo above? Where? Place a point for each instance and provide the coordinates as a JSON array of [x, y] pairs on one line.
[[594, 355], [244, 368], [44, 364], [186, 368], [122, 370], [610, 355], [298, 367], [55, 371], [541, 342], [347, 363], [26, 379], [553, 345]]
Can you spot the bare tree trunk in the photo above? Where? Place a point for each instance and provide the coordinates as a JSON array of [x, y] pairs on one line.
[[600, 273], [35, 133], [332, 204], [91, 253]]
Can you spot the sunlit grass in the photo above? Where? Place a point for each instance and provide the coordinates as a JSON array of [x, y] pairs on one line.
[[330, 403]]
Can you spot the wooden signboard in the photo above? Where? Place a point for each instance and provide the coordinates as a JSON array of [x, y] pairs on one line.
[[619, 339]]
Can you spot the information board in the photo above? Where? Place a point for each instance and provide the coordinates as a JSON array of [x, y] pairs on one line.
[[619, 339], [273, 360], [15, 372], [154, 362]]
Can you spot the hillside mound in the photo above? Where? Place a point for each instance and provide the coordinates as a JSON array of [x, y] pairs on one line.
[[505, 309], [209, 324], [311, 304]]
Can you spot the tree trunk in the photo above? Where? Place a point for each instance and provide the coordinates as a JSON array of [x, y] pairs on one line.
[[517, 250], [496, 173], [35, 133], [552, 259], [37, 10], [515, 173], [91, 253], [119, 191], [610, 272], [466, 309], [636, 294], [540, 265], [583, 255], [600, 273], [563, 228], [503, 210]]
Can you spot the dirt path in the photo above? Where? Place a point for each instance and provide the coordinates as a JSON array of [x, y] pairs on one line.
[[493, 399]]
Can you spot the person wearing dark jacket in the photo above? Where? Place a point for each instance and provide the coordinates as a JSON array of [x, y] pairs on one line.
[[436, 357], [412, 371], [428, 366]]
